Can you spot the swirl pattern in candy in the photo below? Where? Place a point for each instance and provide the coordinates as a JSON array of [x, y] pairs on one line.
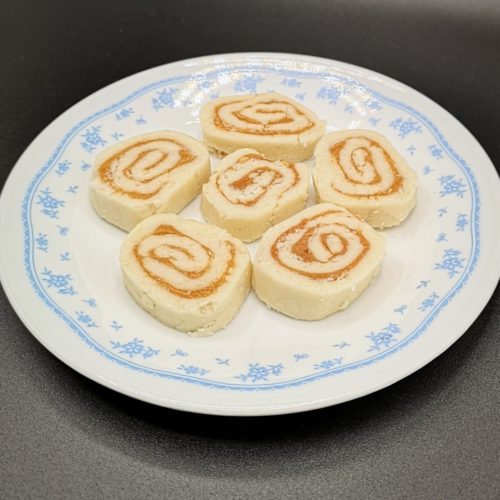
[[325, 246], [253, 179], [362, 167], [142, 169], [183, 265], [266, 116]]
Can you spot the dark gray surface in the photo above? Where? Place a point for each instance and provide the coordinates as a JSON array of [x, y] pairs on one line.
[[434, 434]]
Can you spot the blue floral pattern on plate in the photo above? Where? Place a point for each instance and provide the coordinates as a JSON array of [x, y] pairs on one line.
[[49, 202]]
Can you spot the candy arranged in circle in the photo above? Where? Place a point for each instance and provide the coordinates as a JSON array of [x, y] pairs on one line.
[[247, 193], [190, 275], [147, 174], [361, 171], [317, 262], [275, 125]]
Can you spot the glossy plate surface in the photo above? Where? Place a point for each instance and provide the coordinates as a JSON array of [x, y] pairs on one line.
[[59, 260]]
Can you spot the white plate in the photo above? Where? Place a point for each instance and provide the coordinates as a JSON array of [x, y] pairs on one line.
[[59, 264]]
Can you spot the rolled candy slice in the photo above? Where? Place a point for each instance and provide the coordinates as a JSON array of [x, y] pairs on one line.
[[278, 127], [190, 275], [317, 262], [248, 193], [361, 171], [147, 174]]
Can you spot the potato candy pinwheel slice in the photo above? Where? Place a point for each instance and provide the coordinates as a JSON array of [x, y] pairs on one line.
[[190, 275], [248, 193], [361, 171], [275, 125], [317, 262], [147, 174]]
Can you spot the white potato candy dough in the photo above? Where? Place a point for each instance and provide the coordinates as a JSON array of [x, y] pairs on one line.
[[191, 276], [275, 125], [147, 174], [317, 262], [248, 193], [361, 171]]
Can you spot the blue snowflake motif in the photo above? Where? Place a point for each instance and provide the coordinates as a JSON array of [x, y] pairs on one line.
[[85, 166], [85, 319], [436, 152], [330, 94], [327, 364], [373, 121], [90, 302], [116, 136], [298, 357], [275, 369], [248, 83], [441, 237], [423, 284], [124, 113], [401, 309], [342, 345], [193, 370], [140, 121], [92, 139], [411, 150], [255, 372], [405, 127], [291, 82], [135, 347], [42, 243], [59, 281], [50, 204], [222, 361], [427, 170], [64, 257], [115, 325], [62, 167], [461, 222], [205, 84], [348, 109], [374, 105], [450, 185], [258, 372], [442, 211], [301, 96], [383, 338], [56, 280], [72, 189], [164, 99], [180, 352], [429, 302], [214, 95], [451, 262]]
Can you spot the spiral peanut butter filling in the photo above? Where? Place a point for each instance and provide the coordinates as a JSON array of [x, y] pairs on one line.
[[141, 170], [325, 247], [181, 264], [252, 179], [363, 168], [265, 117]]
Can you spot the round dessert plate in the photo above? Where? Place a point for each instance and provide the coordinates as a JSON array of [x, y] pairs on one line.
[[59, 260]]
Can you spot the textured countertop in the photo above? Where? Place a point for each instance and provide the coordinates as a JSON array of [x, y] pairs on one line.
[[435, 434]]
